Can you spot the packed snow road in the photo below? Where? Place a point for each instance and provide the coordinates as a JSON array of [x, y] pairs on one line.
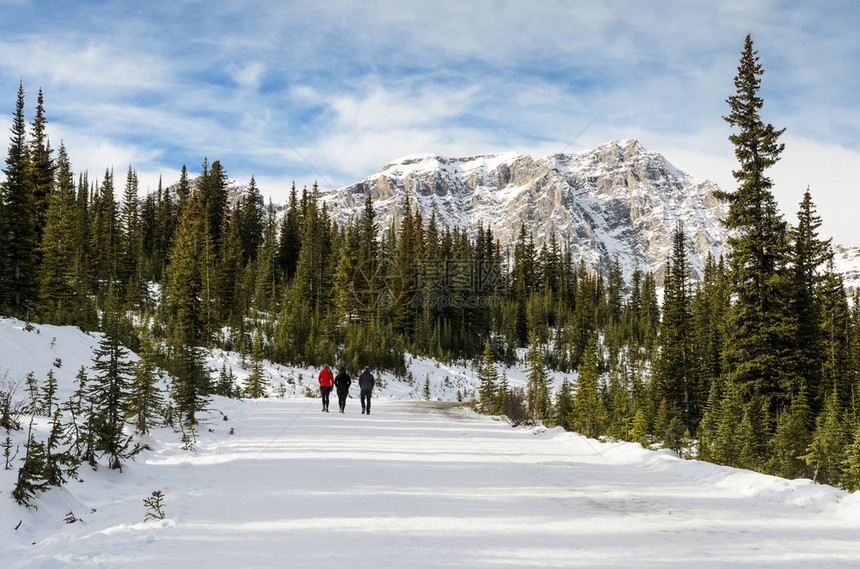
[[422, 485]]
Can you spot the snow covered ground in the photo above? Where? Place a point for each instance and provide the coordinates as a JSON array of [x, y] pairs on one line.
[[277, 483]]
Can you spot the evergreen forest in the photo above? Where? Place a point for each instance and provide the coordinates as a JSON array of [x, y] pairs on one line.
[[756, 365]]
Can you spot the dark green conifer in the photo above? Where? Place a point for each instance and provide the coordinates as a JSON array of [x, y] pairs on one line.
[[762, 329], [18, 227], [186, 315], [41, 167], [487, 379], [110, 389], [145, 399]]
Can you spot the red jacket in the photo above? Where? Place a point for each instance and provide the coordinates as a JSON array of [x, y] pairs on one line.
[[326, 379]]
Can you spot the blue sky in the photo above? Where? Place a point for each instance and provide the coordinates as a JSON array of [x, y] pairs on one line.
[[352, 86]]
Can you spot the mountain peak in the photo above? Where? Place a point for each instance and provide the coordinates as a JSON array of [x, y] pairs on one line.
[[615, 201]]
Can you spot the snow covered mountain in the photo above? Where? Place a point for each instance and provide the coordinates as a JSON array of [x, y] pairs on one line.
[[615, 201]]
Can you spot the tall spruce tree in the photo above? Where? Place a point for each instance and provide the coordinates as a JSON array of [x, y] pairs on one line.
[[186, 314], [41, 166], [810, 254], [588, 414], [675, 370], [104, 235], [18, 223], [59, 247], [252, 216], [759, 350]]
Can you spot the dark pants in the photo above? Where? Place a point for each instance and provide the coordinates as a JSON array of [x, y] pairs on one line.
[[326, 391], [341, 399], [365, 395]]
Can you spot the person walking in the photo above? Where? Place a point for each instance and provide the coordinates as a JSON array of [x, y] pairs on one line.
[[326, 381], [365, 384], [341, 383]]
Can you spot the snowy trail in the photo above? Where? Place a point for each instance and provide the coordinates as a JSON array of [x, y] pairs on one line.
[[416, 486]]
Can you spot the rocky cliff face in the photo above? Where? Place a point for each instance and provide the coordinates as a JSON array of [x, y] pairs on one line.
[[615, 201], [847, 263]]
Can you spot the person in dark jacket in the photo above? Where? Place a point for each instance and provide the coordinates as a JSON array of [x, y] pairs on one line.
[[365, 384], [341, 383], [325, 380]]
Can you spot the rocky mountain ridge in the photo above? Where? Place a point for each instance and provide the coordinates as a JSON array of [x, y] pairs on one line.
[[615, 201]]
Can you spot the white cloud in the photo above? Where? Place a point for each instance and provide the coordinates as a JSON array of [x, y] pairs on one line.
[[248, 75], [89, 64]]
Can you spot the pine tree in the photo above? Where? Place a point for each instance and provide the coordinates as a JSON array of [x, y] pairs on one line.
[[49, 395], [57, 277], [60, 463], [827, 450], [851, 465], [266, 288], [709, 307], [225, 386], [707, 430], [231, 307], [345, 299], [587, 409], [186, 314], [751, 451], [145, 400], [290, 242], [537, 388], [500, 402], [129, 246], [104, 235], [256, 382], [18, 224], [809, 255], [31, 476], [759, 349], [564, 406], [639, 430], [252, 215], [110, 389], [675, 371], [212, 193], [619, 405], [80, 408], [41, 166], [791, 439], [835, 335], [487, 379], [727, 445]]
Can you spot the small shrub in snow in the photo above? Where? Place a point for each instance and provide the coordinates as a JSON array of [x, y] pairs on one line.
[[8, 457], [71, 518], [514, 408], [154, 506], [11, 406], [189, 436]]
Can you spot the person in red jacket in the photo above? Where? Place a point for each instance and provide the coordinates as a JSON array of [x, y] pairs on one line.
[[326, 381]]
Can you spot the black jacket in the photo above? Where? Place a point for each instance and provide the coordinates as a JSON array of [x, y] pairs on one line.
[[365, 380], [342, 381]]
